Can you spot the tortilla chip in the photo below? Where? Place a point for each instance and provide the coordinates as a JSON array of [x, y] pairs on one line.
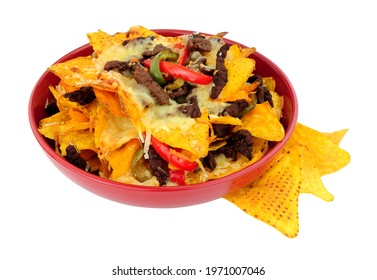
[[336, 136], [239, 70], [77, 72], [317, 149], [320, 151], [194, 139], [111, 131], [273, 198], [82, 140], [111, 99], [225, 120], [101, 40], [121, 158], [263, 123]]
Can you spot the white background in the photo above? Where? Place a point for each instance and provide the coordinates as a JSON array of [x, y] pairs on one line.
[[54, 229]]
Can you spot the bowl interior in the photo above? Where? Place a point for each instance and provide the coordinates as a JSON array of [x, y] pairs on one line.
[[146, 196]]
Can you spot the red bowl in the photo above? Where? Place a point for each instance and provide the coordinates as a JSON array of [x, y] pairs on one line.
[[164, 196]]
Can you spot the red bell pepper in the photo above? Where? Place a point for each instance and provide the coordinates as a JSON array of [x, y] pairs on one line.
[[179, 71], [164, 151], [177, 176]]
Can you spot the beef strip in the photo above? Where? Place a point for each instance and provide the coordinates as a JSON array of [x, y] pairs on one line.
[[142, 76], [158, 166], [220, 78], [83, 96], [117, 65]]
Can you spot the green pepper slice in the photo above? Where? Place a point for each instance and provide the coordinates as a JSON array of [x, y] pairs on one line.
[[154, 69]]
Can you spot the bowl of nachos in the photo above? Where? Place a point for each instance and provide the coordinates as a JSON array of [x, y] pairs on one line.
[[162, 118]]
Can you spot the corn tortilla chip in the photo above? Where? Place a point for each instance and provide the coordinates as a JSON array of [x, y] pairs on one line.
[[77, 72], [263, 123], [273, 198]]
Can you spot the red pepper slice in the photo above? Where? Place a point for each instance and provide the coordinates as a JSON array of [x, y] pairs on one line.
[[164, 151], [179, 71], [177, 176]]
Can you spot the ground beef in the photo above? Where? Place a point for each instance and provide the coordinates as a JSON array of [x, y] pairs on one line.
[[191, 109], [220, 78], [142, 76], [221, 130], [180, 94], [241, 142], [73, 157], [157, 49], [199, 43], [83, 96], [52, 107], [235, 108], [210, 160], [263, 95], [158, 166]]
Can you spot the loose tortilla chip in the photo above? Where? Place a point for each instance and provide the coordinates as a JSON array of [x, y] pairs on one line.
[[273, 198], [263, 123], [336, 136], [320, 151]]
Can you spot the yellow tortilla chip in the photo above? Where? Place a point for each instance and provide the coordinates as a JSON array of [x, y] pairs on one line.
[[323, 153], [239, 70], [111, 131], [194, 140], [336, 136], [273, 198], [263, 123], [111, 99], [120, 159], [225, 120], [317, 149], [101, 40], [82, 140], [77, 72], [59, 124]]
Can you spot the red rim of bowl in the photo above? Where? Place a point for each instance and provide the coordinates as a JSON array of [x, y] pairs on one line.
[[167, 32]]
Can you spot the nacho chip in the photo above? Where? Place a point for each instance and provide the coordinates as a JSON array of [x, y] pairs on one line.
[[336, 136], [77, 72], [320, 151], [263, 123], [193, 139], [111, 99], [111, 131], [101, 41], [82, 140], [225, 120], [120, 159], [239, 70], [273, 198]]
